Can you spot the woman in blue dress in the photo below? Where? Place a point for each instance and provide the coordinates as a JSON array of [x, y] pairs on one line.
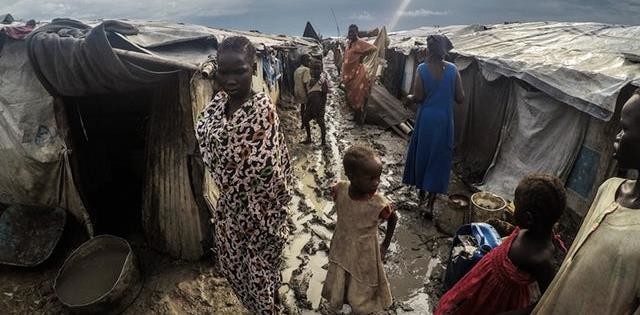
[[437, 85]]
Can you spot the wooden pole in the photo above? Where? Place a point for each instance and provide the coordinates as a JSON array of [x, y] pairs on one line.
[[335, 19], [155, 59]]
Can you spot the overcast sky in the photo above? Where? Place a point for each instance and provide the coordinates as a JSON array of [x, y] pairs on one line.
[[290, 16]]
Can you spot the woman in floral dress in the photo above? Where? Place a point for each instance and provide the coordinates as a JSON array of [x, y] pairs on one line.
[[247, 157]]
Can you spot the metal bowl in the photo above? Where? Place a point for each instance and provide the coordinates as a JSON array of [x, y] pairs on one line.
[[100, 276]]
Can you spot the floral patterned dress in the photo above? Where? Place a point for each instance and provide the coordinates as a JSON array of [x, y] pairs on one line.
[[249, 161]]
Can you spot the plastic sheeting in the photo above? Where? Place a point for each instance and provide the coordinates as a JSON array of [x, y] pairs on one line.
[[393, 74], [584, 65], [541, 135], [310, 32], [76, 58], [373, 62], [34, 164], [72, 64], [479, 121], [158, 34]]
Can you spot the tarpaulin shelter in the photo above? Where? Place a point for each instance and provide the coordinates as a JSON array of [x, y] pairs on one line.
[[97, 118], [541, 97], [6, 19]]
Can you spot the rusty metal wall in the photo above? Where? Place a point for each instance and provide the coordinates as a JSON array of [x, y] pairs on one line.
[[172, 220]]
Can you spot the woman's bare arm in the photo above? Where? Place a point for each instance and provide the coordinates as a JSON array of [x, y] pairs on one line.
[[418, 95]]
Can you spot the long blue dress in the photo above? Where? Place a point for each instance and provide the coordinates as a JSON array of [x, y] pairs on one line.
[[430, 154]]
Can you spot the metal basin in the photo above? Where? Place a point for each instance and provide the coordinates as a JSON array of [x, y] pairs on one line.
[[100, 277]]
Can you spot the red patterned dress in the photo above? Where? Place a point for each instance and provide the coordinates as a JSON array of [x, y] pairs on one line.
[[494, 285]]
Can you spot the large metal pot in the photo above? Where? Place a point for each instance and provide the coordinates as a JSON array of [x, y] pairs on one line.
[[100, 276]]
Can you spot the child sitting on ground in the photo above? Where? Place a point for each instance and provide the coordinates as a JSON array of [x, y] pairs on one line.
[[513, 276], [356, 274], [316, 101]]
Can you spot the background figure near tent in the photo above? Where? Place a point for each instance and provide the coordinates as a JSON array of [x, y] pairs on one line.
[[600, 274], [317, 100], [503, 280], [248, 160], [301, 79], [337, 56], [437, 86], [354, 74]]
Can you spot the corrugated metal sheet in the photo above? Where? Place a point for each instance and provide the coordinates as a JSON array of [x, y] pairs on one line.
[[172, 220]]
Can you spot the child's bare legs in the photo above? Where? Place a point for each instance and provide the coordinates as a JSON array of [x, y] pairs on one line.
[[323, 130], [303, 107], [362, 113], [428, 198], [431, 200], [307, 127]]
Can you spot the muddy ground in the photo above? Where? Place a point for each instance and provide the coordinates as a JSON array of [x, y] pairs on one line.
[[415, 262]]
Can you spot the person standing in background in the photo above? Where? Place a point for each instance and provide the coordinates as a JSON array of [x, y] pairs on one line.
[[301, 79], [437, 87], [354, 74]]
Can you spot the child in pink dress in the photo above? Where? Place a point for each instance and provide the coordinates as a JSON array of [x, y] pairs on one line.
[[356, 274]]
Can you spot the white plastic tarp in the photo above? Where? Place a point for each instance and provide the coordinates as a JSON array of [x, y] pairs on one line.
[[584, 65], [35, 166], [153, 35], [541, 136]]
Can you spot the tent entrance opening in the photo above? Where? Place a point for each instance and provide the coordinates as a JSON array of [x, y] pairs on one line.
[[109, 133]]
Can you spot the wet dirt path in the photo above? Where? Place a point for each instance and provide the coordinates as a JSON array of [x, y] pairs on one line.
[[414, 263]]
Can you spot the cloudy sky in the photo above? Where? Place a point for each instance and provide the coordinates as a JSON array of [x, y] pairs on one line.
[[290, 16]]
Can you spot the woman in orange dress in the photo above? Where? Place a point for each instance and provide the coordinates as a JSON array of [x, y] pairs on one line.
[[354, 74]]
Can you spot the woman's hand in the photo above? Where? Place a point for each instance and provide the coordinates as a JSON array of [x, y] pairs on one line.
[[410, 102]]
